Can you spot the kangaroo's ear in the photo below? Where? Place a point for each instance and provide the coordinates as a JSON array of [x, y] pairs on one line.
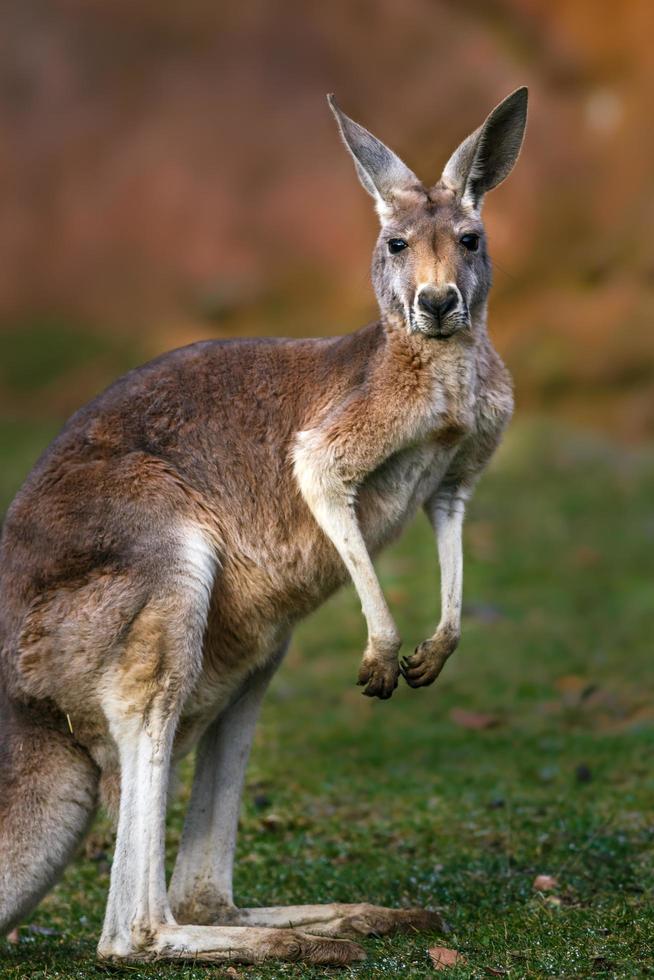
[[380, 171], [487, 156]]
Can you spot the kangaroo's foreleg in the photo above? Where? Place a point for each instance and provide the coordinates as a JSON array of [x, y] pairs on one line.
[[379, 669], [330, 492], [446, 510], [201, 886]]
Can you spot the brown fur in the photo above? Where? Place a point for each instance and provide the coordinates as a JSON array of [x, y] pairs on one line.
[[102, 622], [88, 541]]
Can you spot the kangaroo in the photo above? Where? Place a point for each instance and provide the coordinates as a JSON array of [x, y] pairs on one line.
[[155, 560]]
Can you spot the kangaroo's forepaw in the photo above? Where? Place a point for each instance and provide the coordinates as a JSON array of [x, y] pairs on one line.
[[378, 677], [429, 658]]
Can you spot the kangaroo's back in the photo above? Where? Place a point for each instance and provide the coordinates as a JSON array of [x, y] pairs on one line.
[[202, 434], [197, 408]]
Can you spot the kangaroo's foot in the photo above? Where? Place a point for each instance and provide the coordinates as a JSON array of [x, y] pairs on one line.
[[348, 921], [231, 944]]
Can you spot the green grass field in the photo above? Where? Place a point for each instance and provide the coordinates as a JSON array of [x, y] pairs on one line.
[[399, 803]]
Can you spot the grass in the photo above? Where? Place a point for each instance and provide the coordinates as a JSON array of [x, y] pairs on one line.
[[397, 803]]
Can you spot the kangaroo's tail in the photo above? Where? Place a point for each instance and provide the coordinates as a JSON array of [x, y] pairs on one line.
[[48, 792]]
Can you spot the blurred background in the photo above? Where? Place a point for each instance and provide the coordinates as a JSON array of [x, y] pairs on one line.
[[170, 172]]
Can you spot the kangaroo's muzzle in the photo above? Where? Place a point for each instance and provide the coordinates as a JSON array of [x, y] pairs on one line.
[[439, 311]]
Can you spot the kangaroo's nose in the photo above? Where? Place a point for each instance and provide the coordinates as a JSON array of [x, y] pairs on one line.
[[438, 302]]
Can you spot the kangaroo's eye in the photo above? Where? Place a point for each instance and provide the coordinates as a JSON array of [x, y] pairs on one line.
[[396, 245], [471, 242]]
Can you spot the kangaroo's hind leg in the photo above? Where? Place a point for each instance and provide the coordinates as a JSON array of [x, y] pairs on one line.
[[201, 885], [48, 793], [143, 709]]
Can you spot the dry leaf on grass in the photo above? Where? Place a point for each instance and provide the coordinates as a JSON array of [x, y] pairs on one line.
[[272, 822], [571, 684], [585, 557], [574, 689], [545, 883], [13, 937], [443, 958], [474, 720]]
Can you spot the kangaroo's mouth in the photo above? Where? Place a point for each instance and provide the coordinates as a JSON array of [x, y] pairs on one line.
[[438, 328]]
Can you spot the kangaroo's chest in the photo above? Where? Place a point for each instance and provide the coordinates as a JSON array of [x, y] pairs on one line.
[[451, 421], [394, 492]]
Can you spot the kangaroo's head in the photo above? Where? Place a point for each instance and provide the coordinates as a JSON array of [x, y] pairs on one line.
[[430, 265]]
